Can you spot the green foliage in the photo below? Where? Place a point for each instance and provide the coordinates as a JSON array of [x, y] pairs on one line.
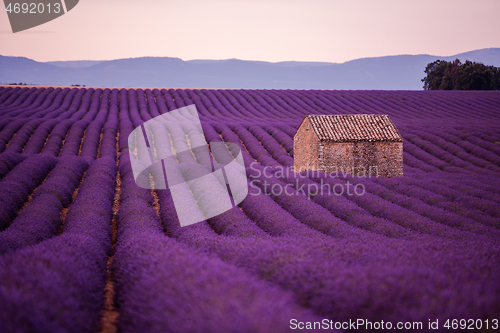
[[453, 75]]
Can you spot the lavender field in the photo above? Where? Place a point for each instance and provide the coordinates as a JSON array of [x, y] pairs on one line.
[[84, 249]]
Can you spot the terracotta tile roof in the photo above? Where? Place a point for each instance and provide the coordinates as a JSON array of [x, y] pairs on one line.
[[354, 127]]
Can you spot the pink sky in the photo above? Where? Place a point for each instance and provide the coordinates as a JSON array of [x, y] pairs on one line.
[[268, 30]]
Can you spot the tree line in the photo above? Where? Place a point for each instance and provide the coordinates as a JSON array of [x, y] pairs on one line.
[[453, 75]]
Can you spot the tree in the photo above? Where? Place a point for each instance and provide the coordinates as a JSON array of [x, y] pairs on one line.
[[453, 75]]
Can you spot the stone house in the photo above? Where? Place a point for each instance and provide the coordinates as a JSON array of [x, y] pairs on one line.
[[358, 144]]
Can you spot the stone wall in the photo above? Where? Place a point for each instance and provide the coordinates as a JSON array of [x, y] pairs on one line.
[[305, 148], [384, 159]]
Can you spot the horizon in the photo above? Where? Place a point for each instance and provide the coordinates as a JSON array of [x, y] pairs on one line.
[[272, 62], [146, 72]]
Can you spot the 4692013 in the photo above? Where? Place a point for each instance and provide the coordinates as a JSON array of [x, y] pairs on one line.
[[34, 8]]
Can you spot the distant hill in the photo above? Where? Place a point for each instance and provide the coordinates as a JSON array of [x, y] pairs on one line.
[[74, 63], [401, 72]]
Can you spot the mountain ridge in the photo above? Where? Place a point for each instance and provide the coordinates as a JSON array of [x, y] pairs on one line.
[[397, 72]]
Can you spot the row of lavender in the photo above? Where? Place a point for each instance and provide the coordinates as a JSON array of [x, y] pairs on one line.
[[312, 253], [249, 104], [54, 259], [272, 148], [36, 122], [321, 250], [276, 151]]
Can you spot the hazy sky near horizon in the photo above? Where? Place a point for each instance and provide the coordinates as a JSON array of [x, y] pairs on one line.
[[267, 30]]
